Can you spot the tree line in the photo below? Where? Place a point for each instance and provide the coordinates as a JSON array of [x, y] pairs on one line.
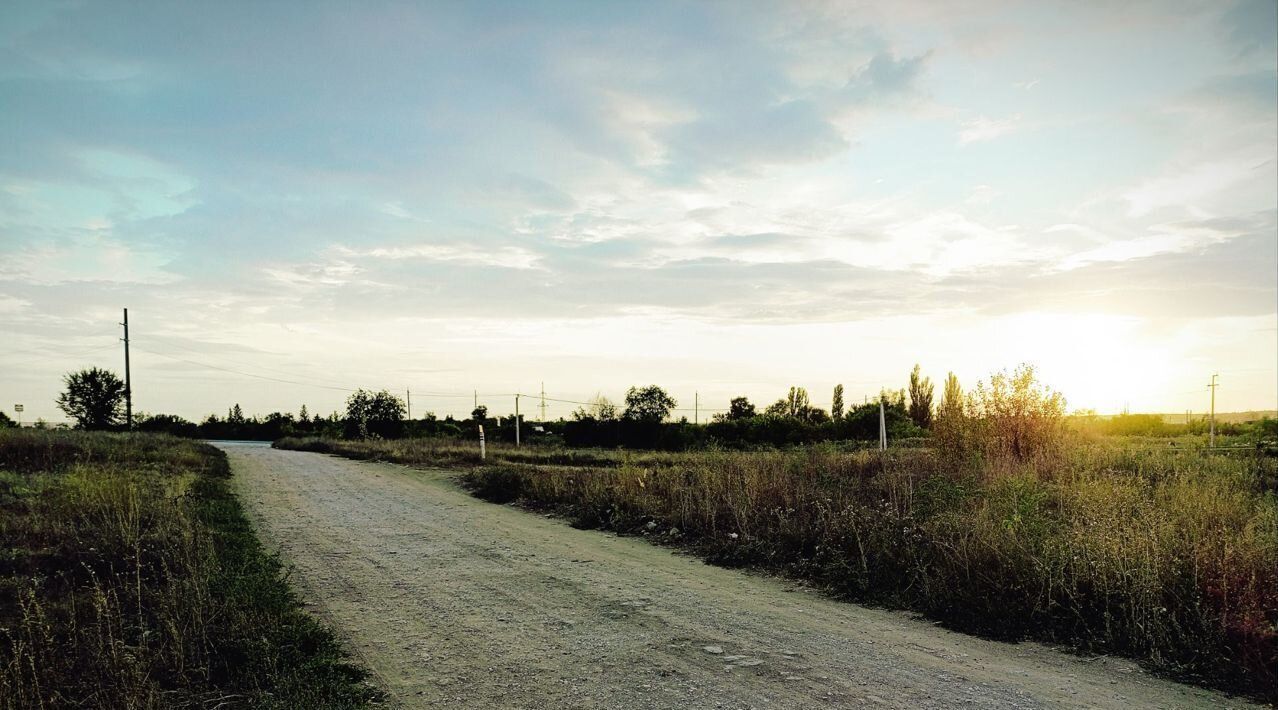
[[1009, 415]]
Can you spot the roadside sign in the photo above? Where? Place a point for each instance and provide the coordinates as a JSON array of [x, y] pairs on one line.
[[17, 407]]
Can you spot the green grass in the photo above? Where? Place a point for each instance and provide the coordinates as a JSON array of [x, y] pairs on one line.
[[1168, 555], [130, 578]]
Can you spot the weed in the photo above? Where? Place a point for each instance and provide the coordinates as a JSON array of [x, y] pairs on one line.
[[130, 578]]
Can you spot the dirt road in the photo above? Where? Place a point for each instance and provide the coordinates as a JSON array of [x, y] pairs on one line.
[[458, 603]]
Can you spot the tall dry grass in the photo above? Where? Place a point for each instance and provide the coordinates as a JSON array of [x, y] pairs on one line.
[[1162, 555]]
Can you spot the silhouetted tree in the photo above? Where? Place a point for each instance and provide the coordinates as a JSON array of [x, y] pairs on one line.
[[479, 413], [920, 398], [648, 404], [164, 423], [792, 405], [374, 414], [836, 406], [93, 398], [302, 415], [599, 408], [5, 421], [740, 408]]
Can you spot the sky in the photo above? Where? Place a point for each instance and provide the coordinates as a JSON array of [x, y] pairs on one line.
[[298, 199]]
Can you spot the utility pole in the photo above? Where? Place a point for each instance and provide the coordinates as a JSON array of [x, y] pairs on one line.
[[516, 420], [128, 381], [1213, 387], [476, 399], [408, 398], [696, 407], [543, 402]]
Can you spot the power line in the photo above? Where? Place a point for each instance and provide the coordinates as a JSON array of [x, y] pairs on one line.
[[589, 404], [247, 374], [223, 358], [283, 380], [72, 353]]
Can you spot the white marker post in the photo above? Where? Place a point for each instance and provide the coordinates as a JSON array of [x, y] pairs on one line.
[[482, 452], [882, 428]]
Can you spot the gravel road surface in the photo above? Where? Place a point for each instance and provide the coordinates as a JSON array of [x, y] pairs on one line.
[[458, 603]]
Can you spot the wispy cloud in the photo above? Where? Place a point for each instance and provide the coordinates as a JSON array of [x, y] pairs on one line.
[[503, 257], [982, 128]]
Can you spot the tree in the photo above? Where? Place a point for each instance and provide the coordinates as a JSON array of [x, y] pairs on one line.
[[93, 398], [892, 398], [479, 413], [740, 408], [648, 404], [836, 407], [303, 416], [951, 399], [920, 398], [1017, 417], [374, 414], [164, 423], [792, 405], [6, 422], [599, 408], [797, 401], [795, 405], [235, 415], [813, 415]]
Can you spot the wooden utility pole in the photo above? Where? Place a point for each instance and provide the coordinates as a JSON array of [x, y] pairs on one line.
[[516, 420], [408, 400], [696, 407], [128, 380]]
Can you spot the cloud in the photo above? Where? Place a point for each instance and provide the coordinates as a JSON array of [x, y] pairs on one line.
[[982, 128], [1193, 185], [982, 195], [10, 304], [886, 75], [503, 257], [792, 131], [1250, 24]]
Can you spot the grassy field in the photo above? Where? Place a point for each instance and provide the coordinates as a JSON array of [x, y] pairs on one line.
[[1166, 554], [130, 578]]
